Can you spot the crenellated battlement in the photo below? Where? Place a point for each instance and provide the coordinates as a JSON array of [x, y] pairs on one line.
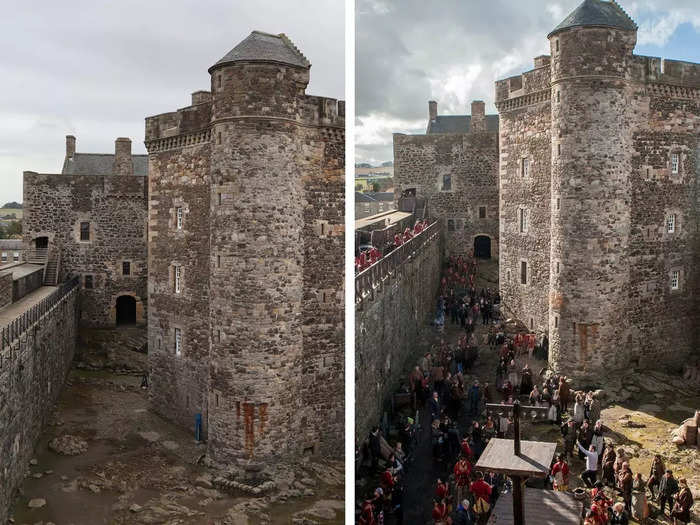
[[656, 70], [533, 81]]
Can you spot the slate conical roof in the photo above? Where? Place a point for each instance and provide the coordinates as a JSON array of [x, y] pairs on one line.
[[597, 13], [265, 47]]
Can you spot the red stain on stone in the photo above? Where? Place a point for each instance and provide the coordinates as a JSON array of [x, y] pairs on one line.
[[249, 421]]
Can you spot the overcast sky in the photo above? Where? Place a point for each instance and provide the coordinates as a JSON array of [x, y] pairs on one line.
[[452, 51], [96, 69]]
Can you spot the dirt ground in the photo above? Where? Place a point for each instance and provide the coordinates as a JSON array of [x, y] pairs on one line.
[[140, 469]]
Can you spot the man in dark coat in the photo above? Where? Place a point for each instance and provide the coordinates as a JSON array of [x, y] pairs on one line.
[[668, 486]]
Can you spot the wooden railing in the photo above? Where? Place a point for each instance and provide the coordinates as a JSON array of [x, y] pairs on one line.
[[31, 316], [368, 280]]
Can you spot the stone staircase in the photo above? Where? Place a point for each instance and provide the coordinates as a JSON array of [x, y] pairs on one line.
[[51, 273]]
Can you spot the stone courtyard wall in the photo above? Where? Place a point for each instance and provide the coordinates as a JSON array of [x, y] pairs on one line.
[[387, 328], [33, 367], [5, 289]]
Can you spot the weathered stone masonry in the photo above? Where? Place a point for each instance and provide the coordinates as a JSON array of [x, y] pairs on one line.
[[255, 168], [387, 325], [455, 166], [113, 203], [33, 368], [622, 229]]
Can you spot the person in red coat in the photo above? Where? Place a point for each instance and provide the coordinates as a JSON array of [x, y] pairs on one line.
[[466, 449], [439, 512], [441, 490], [560, 473], [482, 494], [367, 514], [462, 470], [387, 482]]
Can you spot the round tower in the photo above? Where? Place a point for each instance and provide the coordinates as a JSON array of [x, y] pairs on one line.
[[591, 167], [256, 250]]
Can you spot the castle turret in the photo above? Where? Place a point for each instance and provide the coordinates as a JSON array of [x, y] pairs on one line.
[[591, 165], [256, 279]]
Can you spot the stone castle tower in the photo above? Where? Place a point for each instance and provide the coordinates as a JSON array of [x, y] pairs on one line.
[[598, 199], [592, 158], [246, 257]]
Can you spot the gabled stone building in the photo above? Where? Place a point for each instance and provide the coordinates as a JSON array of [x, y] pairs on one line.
[[90, 221], [599, 197], [246, 253], [455, 166]]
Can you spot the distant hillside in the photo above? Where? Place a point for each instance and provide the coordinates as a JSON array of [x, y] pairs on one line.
[[13, 205], [7, 212]]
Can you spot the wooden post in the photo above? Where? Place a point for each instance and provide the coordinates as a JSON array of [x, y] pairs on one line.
[[518, 514], [516, 427]]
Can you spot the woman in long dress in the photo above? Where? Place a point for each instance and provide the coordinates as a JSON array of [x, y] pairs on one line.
[[640, 508]]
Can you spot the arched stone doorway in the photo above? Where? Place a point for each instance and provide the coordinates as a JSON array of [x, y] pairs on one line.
[[482, 246], [41, 243], [126, 310]]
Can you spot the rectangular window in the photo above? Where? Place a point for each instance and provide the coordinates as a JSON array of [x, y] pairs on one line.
[[218, 80], [447, 183], [556, 322], [675, 279], [219, 198], [556, 42], [178, 342], [557, 266], [482, 212], [671, 223], [84, 231], [4, 257], [178, 275], [218, 261], [89, 284], [558, 96], [15, 256], [126, 268], [522, 220], [525, 167], [450, 225], [558, 203], [558, 150], [178, 216], [674, 163], [523, 272]]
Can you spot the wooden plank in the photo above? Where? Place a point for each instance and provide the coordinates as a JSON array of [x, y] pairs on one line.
[[542, 507], [534, 460]]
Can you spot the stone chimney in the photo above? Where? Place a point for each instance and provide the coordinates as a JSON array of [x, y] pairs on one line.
[[432, 110], [478, 121], [123, 165], [70, 146], [198, 97]]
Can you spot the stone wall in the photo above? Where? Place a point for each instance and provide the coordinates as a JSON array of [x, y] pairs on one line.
[[387, 327], [615, 122], [32, 371], [525, 136], [179, 178], [5, 289], [421, 161], [27, 284], [115, 207]]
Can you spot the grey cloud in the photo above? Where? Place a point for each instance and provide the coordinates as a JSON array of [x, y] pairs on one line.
[[410, 51], [97, 69]]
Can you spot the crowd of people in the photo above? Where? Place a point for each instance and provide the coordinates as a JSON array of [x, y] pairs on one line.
[[439, 389], [367, 257]]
